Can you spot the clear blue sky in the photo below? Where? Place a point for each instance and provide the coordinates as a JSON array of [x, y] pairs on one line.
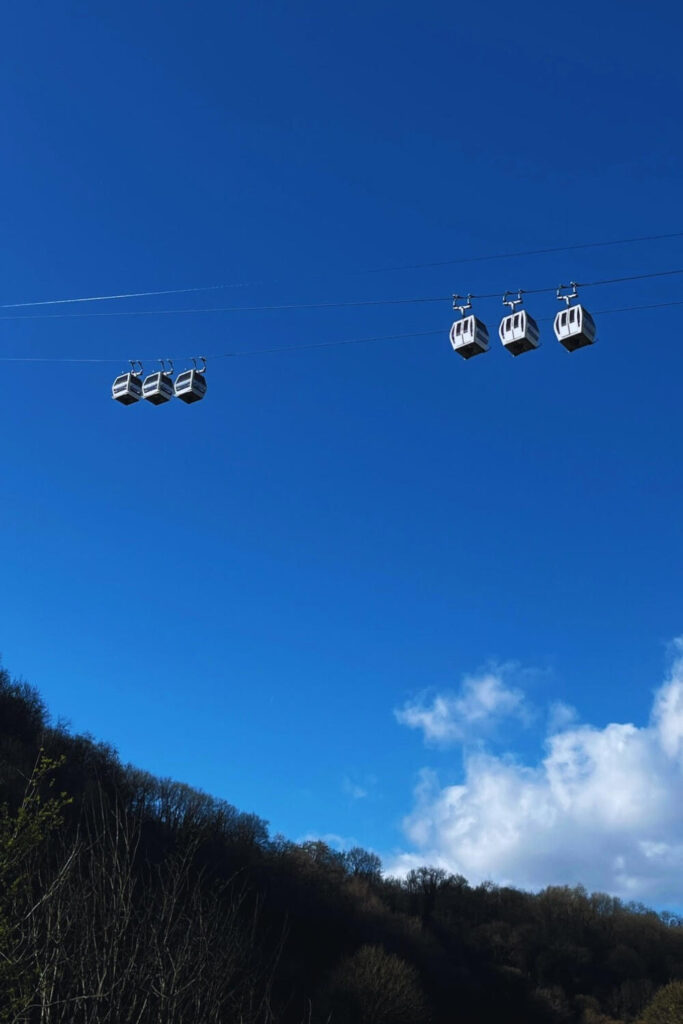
[[241, 593]]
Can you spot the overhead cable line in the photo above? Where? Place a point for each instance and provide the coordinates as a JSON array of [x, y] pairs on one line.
[[232, 355], [226, 309], [128, 295], [372, 270], [526, 252], [342, 304], [626, 309], [586, 284], [312, 345]]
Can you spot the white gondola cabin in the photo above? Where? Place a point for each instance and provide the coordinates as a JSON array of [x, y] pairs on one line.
[[469, 336], [519, 332], [127, 388], [190, 385], [574, 328], [157, 388]]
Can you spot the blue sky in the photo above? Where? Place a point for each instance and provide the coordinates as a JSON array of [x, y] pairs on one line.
[[268, 594]]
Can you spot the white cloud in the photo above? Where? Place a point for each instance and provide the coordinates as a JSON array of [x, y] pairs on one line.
[[452, 718], [353, 790], [358, 790], [560, 715], [604, 807]]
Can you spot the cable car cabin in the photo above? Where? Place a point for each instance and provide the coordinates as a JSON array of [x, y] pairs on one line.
[[519, 332], [157, 388], [574, 328], [469, 337], [190, 385], [127, 389]]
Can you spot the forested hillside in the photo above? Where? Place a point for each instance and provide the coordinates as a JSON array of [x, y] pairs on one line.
[[126, 898]]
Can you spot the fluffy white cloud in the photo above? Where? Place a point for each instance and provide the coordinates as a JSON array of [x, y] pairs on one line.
[[604, 807], [452, 718]]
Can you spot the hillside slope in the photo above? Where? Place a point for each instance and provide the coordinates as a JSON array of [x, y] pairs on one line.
[[127, 898]]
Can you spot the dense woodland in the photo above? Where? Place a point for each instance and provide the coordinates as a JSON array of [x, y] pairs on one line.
[[130, 899]]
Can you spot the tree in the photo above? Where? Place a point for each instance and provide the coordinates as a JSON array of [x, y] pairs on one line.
[[361, 862], [424, 884], [126, 941], [375, 987], [666, 1007], [26, 888]]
